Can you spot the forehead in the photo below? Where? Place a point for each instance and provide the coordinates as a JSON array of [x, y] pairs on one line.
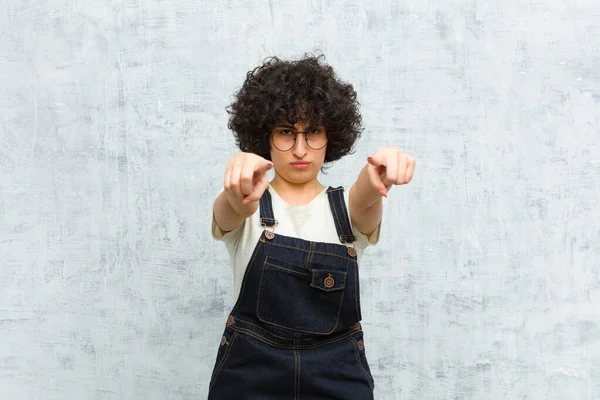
[[289, 124], [300, 115], [298, 124]]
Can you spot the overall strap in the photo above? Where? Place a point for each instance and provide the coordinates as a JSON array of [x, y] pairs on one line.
[[266, 210], [340, 214]]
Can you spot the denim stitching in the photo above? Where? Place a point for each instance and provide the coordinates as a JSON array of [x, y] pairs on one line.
[[244, 280], [225, 357], [270, 333], [263, 206], [357, 293], [338, 228], [299, 347], [297, 376], [346, 227], [337, 321], [359, 361], [270, 204], [310, 254], [287, 269], [308, 251]]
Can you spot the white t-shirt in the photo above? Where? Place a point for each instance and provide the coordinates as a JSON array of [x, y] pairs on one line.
[[312, 222]]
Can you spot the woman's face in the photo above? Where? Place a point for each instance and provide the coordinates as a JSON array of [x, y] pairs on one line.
[[298, 162]]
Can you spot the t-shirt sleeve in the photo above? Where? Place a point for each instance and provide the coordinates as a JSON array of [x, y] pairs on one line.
[[364, 240]]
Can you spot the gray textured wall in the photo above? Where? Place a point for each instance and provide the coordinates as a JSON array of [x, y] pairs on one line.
[[113, 143]]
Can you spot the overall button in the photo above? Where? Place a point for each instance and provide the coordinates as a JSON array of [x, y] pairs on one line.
[[230, 320], [223, 341], [361, 345], [329, 282]]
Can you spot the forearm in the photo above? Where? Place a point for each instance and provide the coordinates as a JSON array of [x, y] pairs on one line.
[[366, 207], [229, 214], [365, 195]]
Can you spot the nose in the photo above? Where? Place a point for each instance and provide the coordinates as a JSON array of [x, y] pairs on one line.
[[300, 148]]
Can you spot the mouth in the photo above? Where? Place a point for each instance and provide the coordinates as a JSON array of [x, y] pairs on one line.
[[300, 164]]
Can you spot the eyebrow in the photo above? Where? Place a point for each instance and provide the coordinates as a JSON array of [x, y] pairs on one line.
[[286, 125]]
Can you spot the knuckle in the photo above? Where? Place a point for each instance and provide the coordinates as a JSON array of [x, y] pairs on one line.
[[246, 177]]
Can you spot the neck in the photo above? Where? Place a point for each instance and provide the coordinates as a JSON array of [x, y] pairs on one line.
[[296, 193]]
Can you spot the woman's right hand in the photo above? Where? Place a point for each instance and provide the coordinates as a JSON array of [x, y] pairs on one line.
[[246, 179]]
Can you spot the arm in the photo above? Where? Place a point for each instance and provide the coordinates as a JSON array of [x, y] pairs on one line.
[[229, 217], [389, 166], [366, 208], [245, 181]]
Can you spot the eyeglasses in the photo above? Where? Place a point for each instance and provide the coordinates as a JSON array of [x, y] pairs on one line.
[[284, 139]]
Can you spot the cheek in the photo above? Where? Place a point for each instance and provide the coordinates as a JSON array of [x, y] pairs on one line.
[[323, 154], [277, 157]]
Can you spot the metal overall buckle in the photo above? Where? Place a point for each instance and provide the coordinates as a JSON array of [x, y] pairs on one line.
[[269, 234], [351, 250]]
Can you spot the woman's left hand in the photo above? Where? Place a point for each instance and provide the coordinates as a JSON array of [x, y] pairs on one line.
[[390, 166]]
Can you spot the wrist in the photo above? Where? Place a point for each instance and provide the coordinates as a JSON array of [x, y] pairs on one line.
[[243, 210]]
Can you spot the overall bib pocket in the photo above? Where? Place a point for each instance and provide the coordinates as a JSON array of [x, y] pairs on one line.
[[300, 299]]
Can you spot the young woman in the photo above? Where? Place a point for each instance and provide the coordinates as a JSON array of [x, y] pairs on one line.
[[294, 332]]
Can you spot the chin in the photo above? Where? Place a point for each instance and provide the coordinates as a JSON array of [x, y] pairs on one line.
[[300, 176]]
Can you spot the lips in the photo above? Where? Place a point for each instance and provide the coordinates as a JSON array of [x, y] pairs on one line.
[[300, 164]]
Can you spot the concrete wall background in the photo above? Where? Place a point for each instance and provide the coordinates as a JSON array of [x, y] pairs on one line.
[[113, 142]]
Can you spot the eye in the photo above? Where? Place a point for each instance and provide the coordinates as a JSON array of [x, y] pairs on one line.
[[285, 132], [314, 131]]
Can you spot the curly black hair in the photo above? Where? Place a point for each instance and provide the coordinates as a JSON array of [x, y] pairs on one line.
[[290, 91]]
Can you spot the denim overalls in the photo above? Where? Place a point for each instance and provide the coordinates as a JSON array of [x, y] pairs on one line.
[[294, 332]]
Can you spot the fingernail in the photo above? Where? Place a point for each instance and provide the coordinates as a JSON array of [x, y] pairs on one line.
[[247, 201], [383, 193]]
